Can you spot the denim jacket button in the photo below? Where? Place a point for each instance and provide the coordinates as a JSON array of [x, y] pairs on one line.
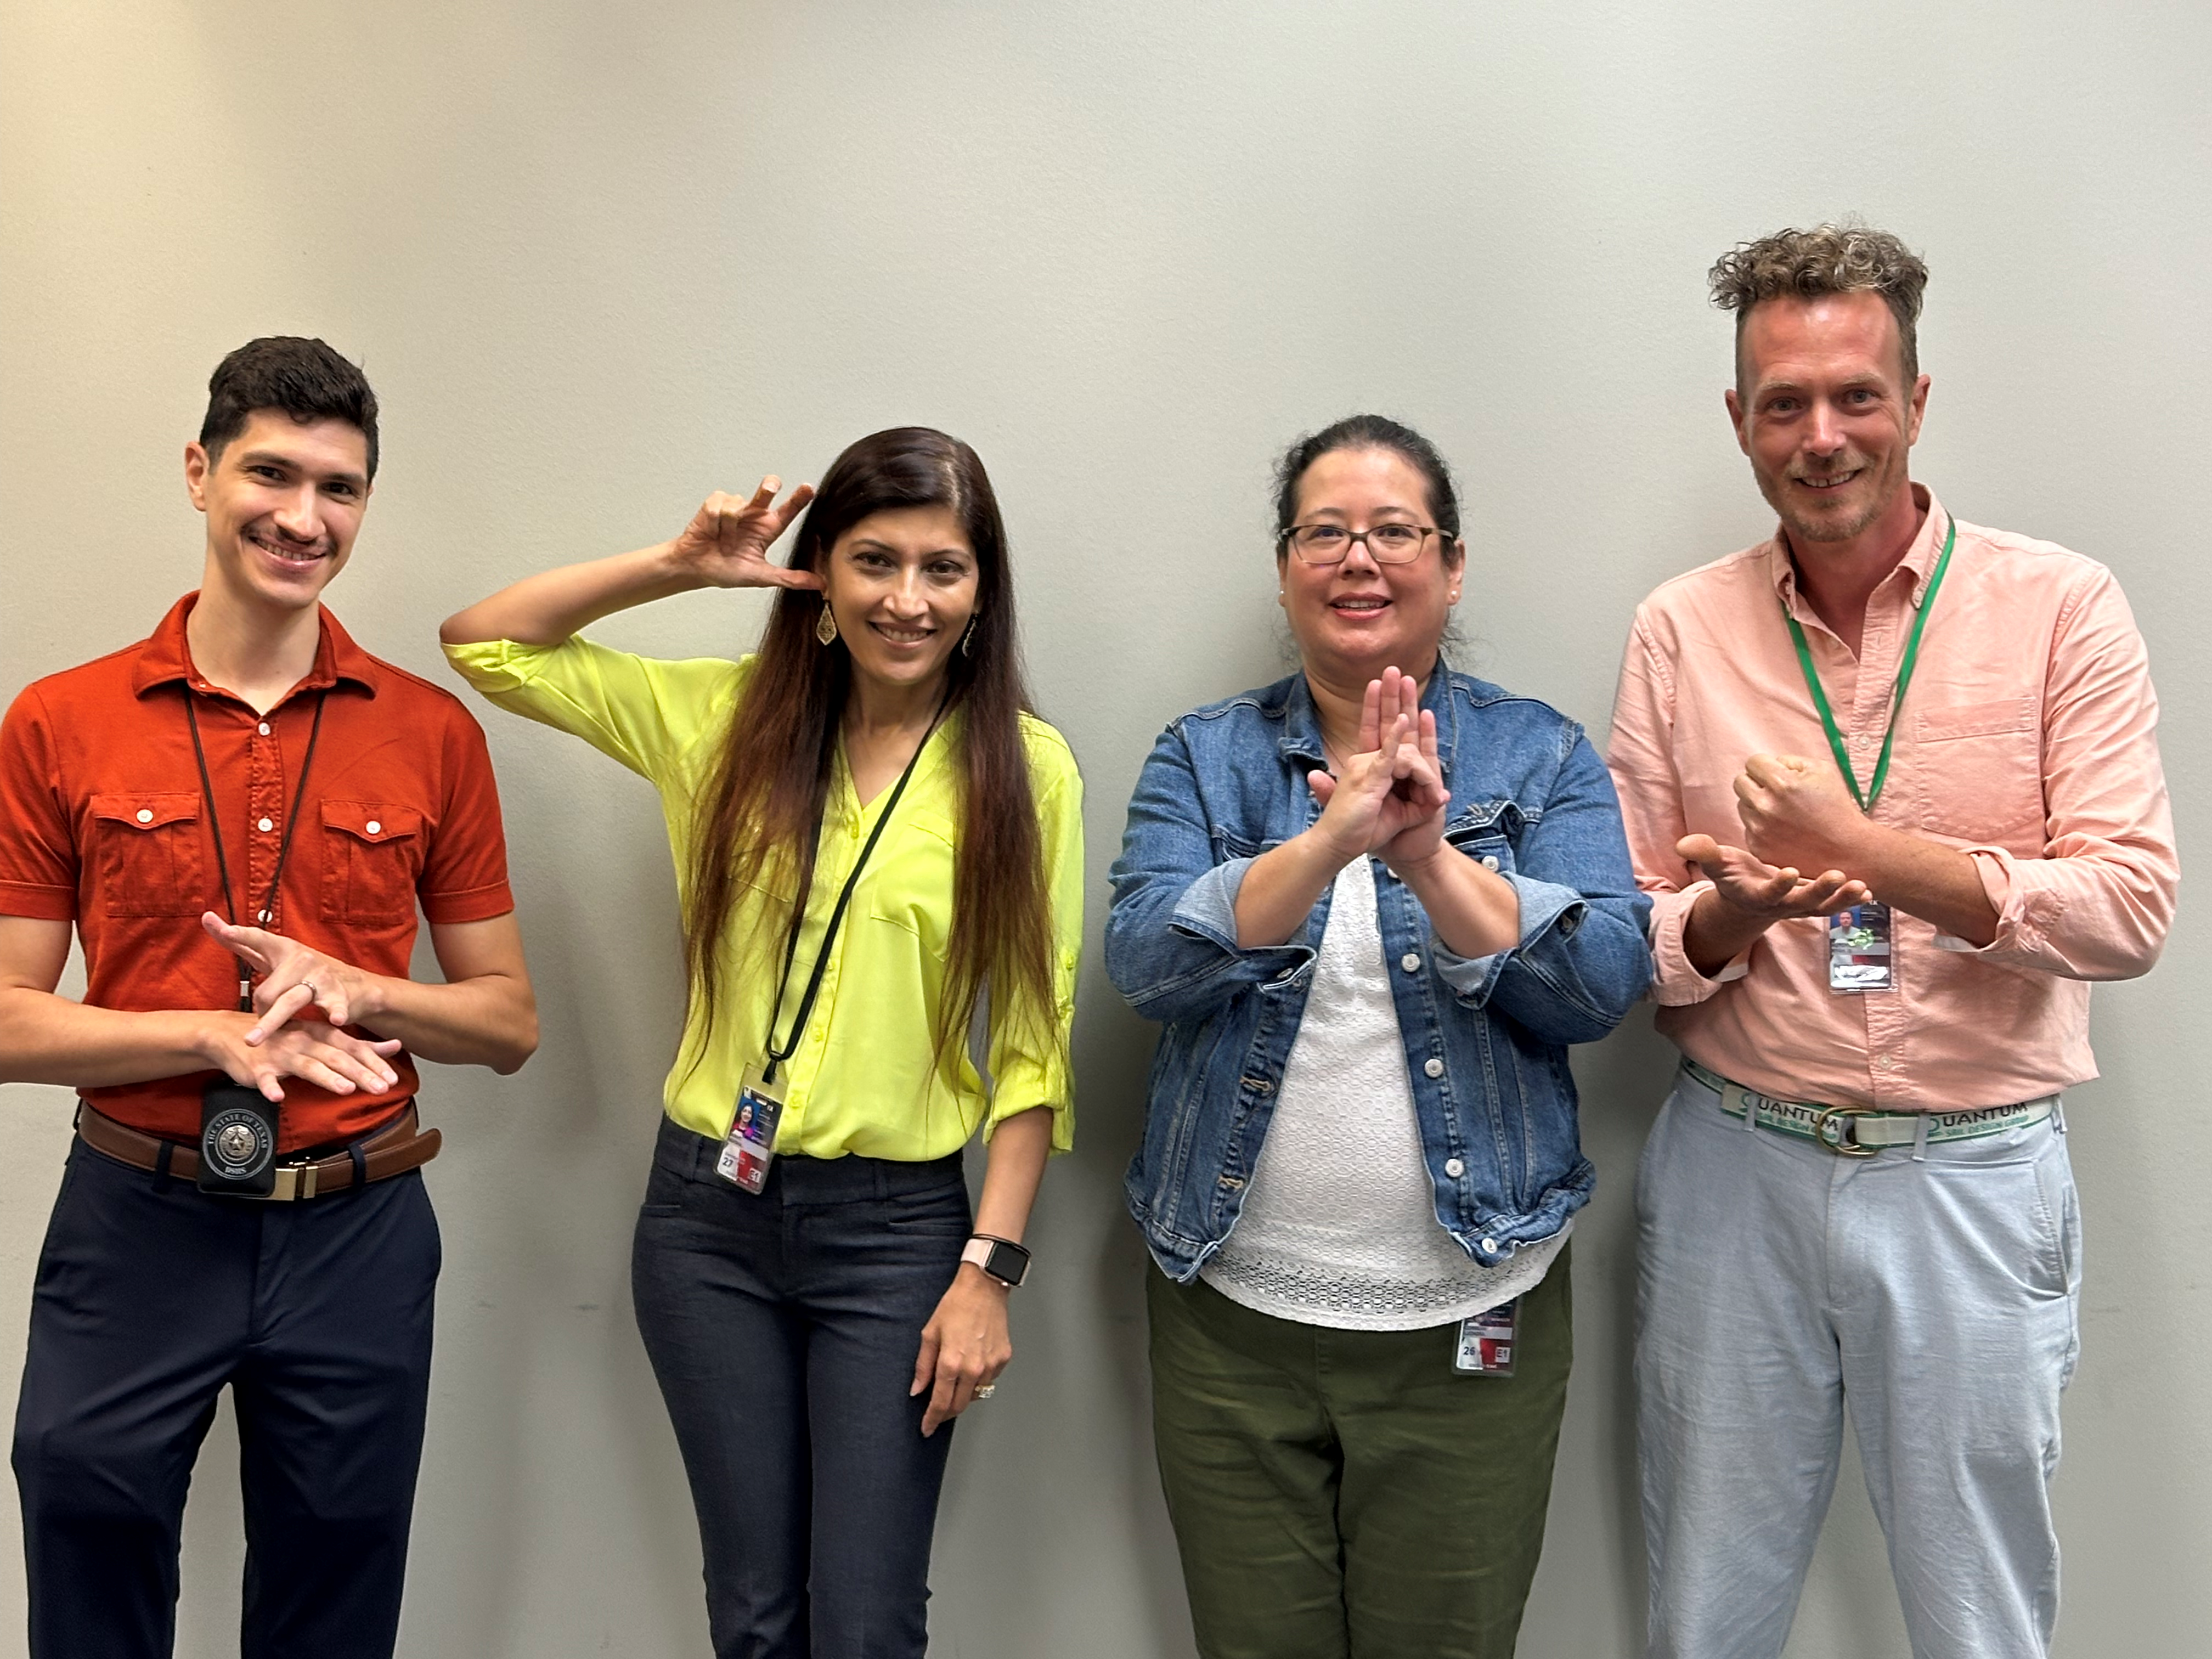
[[1455, 1169], [1433, 1067], [1410, 963], [1490, 860], [1490, 1247]]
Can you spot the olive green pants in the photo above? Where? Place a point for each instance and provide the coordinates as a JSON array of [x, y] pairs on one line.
[[1348, 1494]]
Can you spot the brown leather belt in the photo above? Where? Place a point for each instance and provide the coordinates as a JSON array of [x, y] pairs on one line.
[[393, 1150]]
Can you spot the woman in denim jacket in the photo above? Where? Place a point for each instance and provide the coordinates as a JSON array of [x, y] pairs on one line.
[[1371, 905]]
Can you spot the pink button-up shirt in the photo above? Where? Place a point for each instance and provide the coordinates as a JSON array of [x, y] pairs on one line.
[[2027, 739]]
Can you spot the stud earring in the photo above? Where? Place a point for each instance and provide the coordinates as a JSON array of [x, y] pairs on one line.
[[967, 639], [825, 625]]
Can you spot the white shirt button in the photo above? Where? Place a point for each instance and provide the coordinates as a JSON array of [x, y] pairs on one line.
[[1410, 963], [1490, 860], [145, 815], [264, 728], [266, 825], [1454, 1168], [1433, 1067], [265, 918], [374, 828]]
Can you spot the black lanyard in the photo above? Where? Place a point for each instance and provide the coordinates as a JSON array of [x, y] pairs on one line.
[[267, 915], [778, 1053]]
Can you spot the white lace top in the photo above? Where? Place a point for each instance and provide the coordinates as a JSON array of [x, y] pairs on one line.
[[1339, 1225]]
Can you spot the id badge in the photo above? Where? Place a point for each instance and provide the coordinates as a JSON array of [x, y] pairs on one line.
[[1485, 1342], [1859, 950], [750, 1147]]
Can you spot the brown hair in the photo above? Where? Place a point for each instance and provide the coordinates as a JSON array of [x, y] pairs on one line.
[[303, 378], [1844, 258], [762, 807]]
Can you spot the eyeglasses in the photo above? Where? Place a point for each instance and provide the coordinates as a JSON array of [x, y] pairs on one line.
[[1331, 543]]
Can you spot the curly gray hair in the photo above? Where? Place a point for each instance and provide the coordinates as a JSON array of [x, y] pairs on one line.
[[1830, 259]]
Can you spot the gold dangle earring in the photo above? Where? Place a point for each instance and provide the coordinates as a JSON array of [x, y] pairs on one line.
[[967, 639], [825, 625]]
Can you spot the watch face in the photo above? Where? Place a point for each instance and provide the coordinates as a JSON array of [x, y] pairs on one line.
[[1006, 1261]]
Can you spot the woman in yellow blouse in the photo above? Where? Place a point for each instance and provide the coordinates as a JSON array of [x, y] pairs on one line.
[[873, 839]]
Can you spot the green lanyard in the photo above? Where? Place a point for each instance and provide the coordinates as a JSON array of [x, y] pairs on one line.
[[1872, 792]]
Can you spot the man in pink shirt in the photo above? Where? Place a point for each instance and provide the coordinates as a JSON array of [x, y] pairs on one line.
[[1891, 781]]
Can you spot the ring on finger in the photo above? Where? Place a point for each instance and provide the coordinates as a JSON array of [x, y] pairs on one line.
[[986, 1390]]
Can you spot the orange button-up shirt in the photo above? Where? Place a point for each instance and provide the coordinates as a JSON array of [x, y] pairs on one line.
[[2027, 739], [102, 824]]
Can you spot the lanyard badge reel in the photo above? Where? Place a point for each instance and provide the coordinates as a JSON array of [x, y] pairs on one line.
[[1860, 958], [749, 1149], [238, 1124]]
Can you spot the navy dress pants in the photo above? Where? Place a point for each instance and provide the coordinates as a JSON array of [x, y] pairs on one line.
[[152, 1296], [783, 1327]]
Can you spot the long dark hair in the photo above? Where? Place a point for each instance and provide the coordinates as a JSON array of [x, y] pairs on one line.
[[763, 801]]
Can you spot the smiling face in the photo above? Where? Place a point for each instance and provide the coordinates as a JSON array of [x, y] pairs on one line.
[[284, 503], [901, 584], [1354, 619], [1823, 410]]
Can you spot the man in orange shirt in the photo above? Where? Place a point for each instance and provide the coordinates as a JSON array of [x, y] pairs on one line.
[[1891, 781], [239, 816]]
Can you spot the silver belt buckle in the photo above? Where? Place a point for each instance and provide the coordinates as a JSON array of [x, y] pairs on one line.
[[1836, 1143]]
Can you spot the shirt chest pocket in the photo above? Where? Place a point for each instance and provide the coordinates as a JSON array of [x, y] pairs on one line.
[[910, 880], [372, 860], [1981, 772], [147, 849]]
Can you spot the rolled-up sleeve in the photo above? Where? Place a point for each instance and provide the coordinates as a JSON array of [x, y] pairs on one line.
[[1030, 1062], [1581, 961], [1171, 945], [2097, 903]]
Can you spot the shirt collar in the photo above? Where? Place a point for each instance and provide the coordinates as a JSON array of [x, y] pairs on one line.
[[1918, 564], [167, 658]]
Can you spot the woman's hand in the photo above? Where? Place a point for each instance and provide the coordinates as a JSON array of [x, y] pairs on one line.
[[963, 1347], [1391, 796], [726, 543]]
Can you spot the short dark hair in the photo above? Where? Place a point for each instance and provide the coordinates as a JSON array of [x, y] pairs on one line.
[[303, 378], [1850, 257], [1368, 432]]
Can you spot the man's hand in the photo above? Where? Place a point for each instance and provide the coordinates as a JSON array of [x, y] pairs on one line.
[[295, 977], [1748, 896], [1761, 890], [1796, 814], [313, 1051]]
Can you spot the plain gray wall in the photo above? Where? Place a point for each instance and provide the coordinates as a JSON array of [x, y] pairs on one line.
[[600, 260]]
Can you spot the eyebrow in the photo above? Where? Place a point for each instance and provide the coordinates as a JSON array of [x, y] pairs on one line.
[[870, 542], [275, 458]]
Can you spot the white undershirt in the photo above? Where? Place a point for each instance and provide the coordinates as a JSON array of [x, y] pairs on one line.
[[1339, 1226]]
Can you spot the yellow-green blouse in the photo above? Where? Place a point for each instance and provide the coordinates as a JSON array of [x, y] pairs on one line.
[[864, 1078]]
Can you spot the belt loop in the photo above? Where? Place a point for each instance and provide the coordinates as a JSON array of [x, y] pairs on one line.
[[2058, 1113], [161, 1164], [1920, 1138], [1750, 1111], [359, 1168]]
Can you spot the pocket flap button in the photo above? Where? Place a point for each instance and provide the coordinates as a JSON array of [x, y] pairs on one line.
[[374, 828], [145, 815], [1490, 860]]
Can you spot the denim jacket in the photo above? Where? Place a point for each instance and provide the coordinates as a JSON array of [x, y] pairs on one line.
[[1486, 1037]]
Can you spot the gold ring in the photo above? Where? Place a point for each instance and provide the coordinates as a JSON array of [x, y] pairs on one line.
[[987, 1391]]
